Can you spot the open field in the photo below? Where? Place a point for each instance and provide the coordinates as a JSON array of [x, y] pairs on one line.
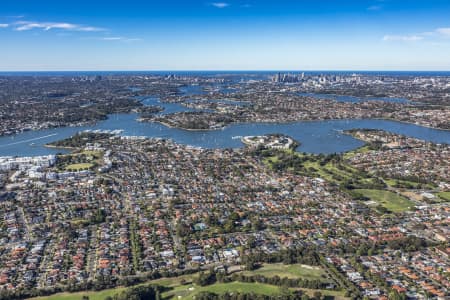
[[101, 295], [271, 160], [387, 199], [415, 196], [95, 154], [396, 182], [93, 295], [76, 161], [188, 290], [405, 184], [333, 170], [290, 271], [444, 196], [80, 166], [362, 149]]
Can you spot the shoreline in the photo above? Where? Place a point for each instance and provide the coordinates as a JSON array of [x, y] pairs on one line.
[[297, 121], [181, 128], [59, 147], [140, 119], [224, 127]]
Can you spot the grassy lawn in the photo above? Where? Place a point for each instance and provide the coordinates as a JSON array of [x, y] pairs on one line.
[[76, 167], [394, 182], [408, 184], [412, 195], [444, 196], [290, 271], [338, 172], [189, 291], [320, 171], [79, 160], [352, 153], [101, 295], [96, 154], [339, 295], [389, 200], [346, 172], [271, 160]]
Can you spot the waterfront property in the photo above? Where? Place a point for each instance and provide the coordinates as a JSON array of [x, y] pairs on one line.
[[315, 136]]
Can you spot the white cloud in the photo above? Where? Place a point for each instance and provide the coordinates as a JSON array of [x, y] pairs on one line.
[[90, 28], [114, 38], [438, 33], [63, 29], [444, 31], [403, 38], [120, 38], [27, 25], [4, 25], [220, 4]]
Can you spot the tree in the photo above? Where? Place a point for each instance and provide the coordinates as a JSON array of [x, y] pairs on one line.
[[206, 278], [149, 292], [284, 291], [394, 295], [250, 263]]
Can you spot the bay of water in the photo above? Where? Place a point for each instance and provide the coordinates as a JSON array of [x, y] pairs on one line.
[[169, 108], [314, 136]]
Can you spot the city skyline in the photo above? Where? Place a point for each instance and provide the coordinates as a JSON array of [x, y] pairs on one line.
[[225, 35]]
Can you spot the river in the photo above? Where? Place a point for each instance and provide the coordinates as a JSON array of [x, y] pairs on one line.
[[315, 136]]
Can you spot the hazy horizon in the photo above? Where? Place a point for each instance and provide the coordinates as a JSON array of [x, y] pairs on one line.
[[224, 70]]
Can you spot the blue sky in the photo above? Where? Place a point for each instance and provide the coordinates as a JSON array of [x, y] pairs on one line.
[[225, 35]]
